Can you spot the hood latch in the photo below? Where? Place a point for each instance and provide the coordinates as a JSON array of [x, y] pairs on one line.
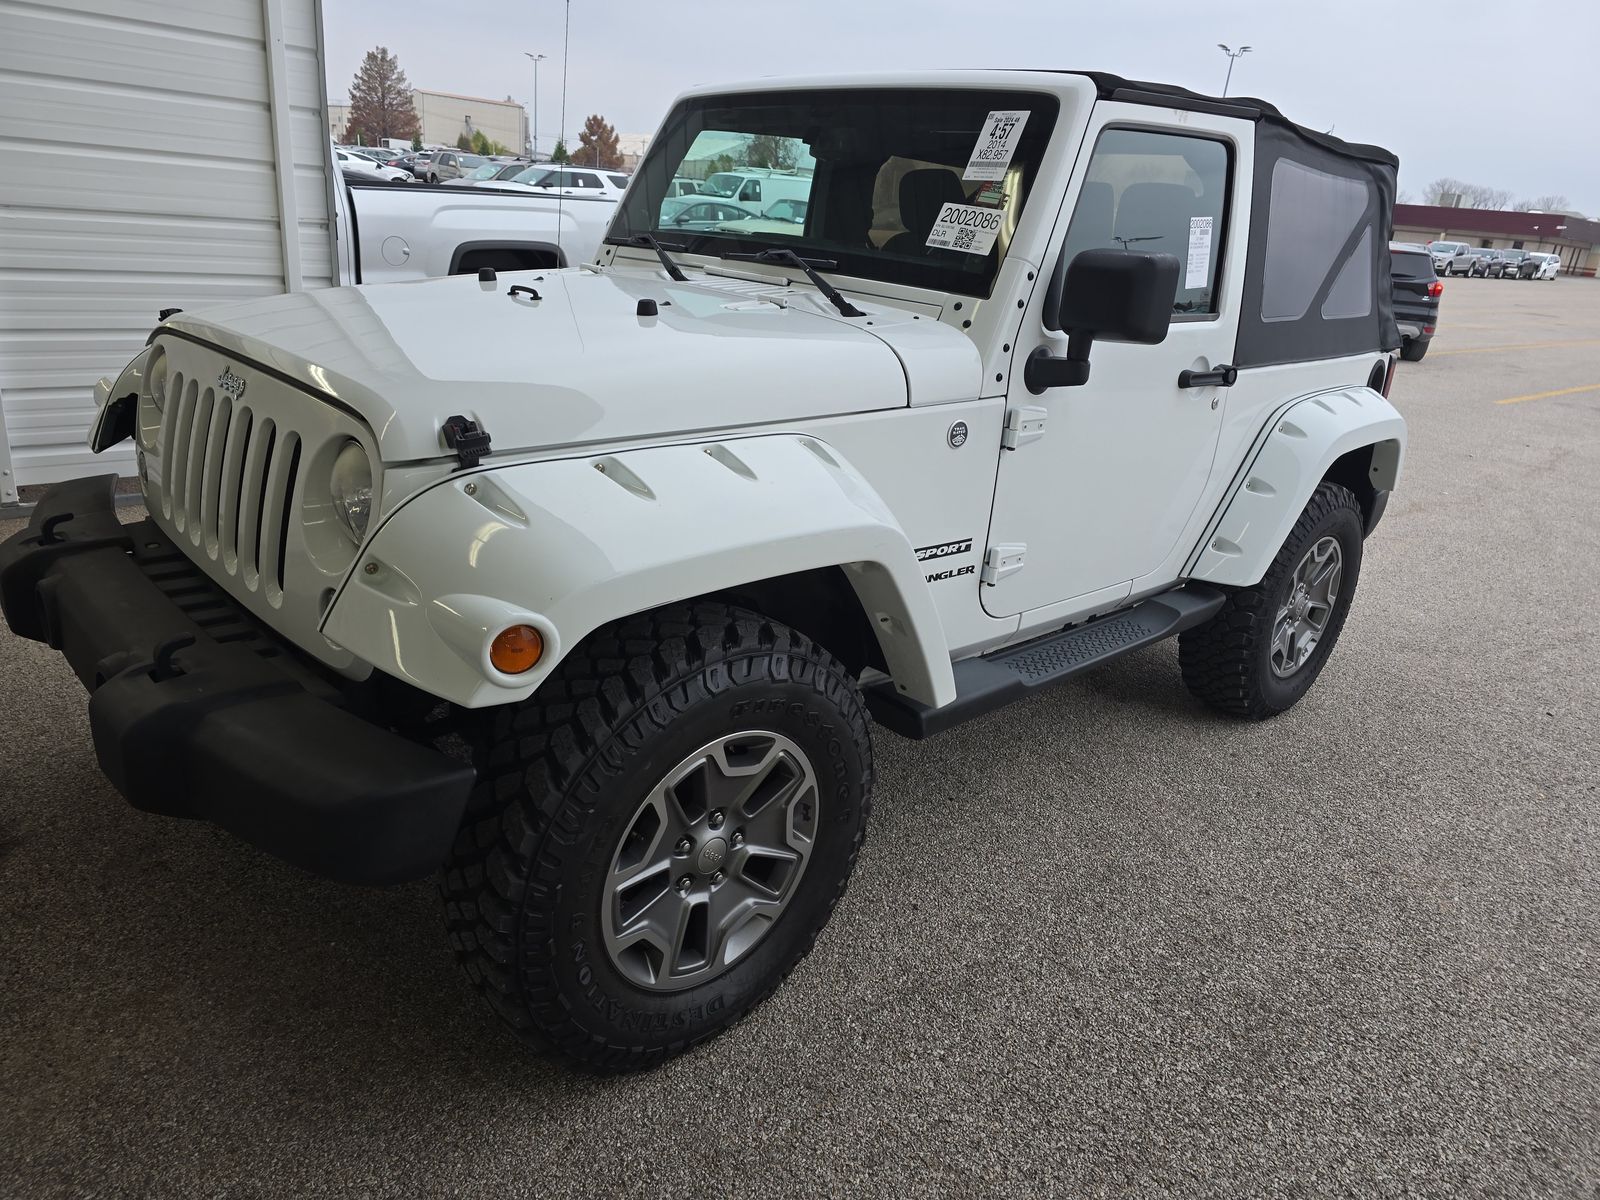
[[467, 438]]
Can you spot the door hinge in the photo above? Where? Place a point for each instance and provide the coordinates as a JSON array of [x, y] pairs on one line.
[[1023, 424], [1002, 560]]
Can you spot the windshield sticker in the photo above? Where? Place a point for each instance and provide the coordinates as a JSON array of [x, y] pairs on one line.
[[965, 227], [1199, 272], [996, 144], [991, 194]]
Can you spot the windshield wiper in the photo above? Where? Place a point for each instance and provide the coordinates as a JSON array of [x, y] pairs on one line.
[[649, 242], [781, 255]]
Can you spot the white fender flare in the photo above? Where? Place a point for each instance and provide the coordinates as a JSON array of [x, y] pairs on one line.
[[568, 545], [1290, 458]]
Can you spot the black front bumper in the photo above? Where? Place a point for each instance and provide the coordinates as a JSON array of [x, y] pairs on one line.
[[197, 711]]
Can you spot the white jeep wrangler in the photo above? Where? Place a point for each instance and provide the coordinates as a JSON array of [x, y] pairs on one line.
[[578, 587]]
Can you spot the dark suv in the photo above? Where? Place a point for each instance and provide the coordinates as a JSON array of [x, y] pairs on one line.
[[1416, 297]]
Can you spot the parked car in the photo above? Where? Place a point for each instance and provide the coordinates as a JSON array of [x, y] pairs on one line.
[[1444, 252], [452, 164], [693, 212], [569, 181], [1508, 261], [781, 216], [393, 233], [380, 154], [1538, 265], [597, 648], [1416, 293], [360, 164], [756, 186], [488, 173], [682, 187], [1460, 263], [415, 161]]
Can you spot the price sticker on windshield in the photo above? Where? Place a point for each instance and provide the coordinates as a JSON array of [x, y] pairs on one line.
[[996, 145], [965, 227]]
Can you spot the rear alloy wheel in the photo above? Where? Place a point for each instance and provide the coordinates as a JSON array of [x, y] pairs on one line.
[[1269, 642]]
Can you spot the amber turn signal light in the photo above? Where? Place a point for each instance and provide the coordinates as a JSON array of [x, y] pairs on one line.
[[516, 649]]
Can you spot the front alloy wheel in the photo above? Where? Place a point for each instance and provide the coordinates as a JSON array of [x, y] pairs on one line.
[[659, 833], [710, 860]]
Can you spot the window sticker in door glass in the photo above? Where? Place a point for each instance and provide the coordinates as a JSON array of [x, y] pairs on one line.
[[965, 227], [1199, 271], [997, 142]]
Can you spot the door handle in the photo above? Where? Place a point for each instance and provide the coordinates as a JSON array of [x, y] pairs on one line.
[[1223, 376]]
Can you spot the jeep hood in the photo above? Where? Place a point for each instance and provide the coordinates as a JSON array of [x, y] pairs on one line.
[[579, 364]]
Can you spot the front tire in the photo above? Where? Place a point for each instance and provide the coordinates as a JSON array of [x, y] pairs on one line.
[[1269, 642], [659, 834]]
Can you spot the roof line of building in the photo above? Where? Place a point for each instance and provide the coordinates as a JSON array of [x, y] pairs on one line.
[[474, 99]]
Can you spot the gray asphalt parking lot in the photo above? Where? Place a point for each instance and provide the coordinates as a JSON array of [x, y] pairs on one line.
[[1103, 942]]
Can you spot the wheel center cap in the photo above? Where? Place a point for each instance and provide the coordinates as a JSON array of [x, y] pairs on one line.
[[711, 856]]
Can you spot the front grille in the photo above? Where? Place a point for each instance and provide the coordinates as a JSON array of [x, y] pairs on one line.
[[230, 482]]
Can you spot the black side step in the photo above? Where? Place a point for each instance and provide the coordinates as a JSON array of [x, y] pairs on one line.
[[985, 684]]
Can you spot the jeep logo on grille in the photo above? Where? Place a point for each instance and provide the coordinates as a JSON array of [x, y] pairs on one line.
[[230, 383]]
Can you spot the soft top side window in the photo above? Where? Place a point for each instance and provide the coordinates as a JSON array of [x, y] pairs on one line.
[[1161, 192]]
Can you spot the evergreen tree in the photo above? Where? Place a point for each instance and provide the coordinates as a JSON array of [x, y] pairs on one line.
[[597, 144], [559, 154], [380, 100]]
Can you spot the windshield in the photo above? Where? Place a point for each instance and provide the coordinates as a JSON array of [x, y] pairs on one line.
[[907, 186], [721, 184], [1512, 253], [487, 171], [531, 175]]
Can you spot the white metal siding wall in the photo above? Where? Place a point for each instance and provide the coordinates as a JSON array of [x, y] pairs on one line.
[[139, 138]]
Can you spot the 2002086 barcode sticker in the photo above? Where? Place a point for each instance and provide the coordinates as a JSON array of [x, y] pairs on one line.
[[997, 142], [965, 227]]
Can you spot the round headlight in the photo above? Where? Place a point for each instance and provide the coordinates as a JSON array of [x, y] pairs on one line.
[[350, 485], [152, 398]]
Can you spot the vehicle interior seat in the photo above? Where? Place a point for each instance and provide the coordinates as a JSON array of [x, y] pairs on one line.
[[923, 193], [1091, 220]]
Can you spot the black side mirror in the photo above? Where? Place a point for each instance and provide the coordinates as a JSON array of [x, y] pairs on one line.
[[1119, 295]]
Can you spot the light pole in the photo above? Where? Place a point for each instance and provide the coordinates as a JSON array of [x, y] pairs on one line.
[[533, 134], [1232, 54]]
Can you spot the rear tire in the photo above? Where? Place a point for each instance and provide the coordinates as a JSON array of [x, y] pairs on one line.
[[1413, 349], [608, 893], [1235, 662]]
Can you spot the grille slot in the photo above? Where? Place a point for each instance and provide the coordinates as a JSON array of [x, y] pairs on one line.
[[252, 496]]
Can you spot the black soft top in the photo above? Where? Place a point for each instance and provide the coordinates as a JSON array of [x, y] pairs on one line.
[[1137, 91], [1316, 280]]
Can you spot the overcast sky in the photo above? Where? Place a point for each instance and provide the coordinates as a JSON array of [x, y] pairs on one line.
[[1494, 92]]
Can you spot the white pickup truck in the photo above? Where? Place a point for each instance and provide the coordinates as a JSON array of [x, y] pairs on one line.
[[577, 588], [389, 232]]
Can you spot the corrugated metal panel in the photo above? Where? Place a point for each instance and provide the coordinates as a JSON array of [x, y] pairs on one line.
[[139, 138]]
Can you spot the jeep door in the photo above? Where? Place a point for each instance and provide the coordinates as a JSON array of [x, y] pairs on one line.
[[1106, 492]]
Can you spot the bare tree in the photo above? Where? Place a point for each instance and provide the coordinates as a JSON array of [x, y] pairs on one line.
[[1552, 203], [1404, 198], [1471, 195]]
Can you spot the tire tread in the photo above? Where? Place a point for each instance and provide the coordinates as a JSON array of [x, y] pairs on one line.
[[542, 767]]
